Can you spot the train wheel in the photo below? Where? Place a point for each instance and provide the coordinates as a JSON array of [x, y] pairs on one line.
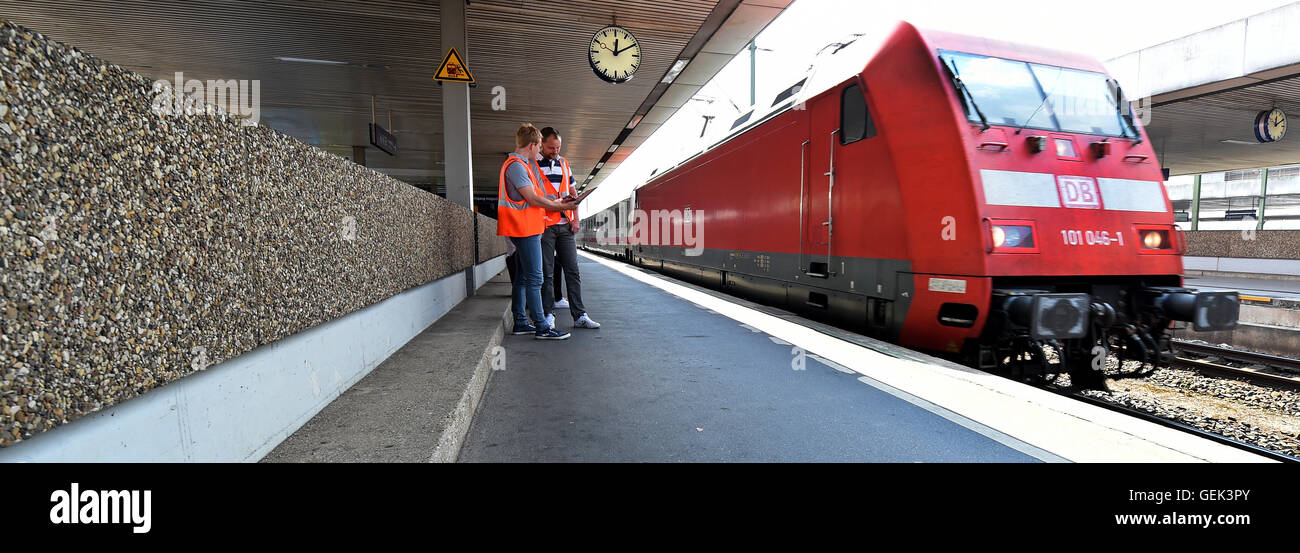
[[1082, 374], [1037, 359]]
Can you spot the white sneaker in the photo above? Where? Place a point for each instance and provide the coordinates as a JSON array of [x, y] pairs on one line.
[[550, 320], [585, 322], [562, 304]]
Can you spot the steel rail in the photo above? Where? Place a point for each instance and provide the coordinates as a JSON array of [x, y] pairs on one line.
[[1285, 363]]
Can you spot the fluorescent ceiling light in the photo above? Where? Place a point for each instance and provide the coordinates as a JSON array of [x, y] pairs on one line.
[[599, 165], [1235, 141], [612, 148], [676, 69], [635, 121], [306, 60]]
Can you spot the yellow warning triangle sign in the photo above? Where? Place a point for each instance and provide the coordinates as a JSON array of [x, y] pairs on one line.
[[453, 69]]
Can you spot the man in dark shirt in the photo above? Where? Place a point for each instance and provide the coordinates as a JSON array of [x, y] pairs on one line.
[[558, 242]]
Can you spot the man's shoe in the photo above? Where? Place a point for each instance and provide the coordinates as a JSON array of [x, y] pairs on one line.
[[585, 322], [562, 304], [524, 329], [550, 320], [551, 334]]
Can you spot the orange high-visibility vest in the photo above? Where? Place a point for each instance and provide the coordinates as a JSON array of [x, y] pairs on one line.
[[553, 217], [518, 218]]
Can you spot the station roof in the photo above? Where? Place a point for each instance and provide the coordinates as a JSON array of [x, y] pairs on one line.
[[390, 49], [1205, 89]]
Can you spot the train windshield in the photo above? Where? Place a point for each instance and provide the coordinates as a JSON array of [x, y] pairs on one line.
[[1031, 95]]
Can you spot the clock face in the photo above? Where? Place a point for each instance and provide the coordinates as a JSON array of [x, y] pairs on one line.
[[614, 54], [1276, 124]]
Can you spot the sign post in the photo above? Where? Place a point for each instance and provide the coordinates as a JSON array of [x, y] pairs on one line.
[[454, 76]]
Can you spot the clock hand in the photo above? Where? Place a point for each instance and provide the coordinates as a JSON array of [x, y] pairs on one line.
[[616, 47], [616, 51], [602, 45]]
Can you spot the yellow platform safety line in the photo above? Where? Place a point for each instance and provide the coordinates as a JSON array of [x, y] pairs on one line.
[[1255, 298]]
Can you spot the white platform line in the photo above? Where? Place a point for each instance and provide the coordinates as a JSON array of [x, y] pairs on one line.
[[1064, 427]]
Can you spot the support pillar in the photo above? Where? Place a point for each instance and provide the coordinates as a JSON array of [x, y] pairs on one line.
[[457, 166], [1263, 199], [1196, 201], [359, 155], [753, 77]]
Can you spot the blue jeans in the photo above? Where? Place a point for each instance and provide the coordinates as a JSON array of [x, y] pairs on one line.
[[528, 286]]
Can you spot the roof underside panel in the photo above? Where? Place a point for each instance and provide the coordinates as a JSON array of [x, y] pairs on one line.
[[534, 51]]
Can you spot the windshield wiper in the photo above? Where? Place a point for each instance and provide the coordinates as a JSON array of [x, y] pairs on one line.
[[962, 86], [1031, 116], [1126, 117], [1046, 95]]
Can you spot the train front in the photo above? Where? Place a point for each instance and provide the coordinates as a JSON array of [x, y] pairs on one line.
[[1078, 233]]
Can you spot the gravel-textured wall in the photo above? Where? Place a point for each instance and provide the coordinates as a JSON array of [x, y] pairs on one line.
[[1264, 244], [489, 244], [138, 248]]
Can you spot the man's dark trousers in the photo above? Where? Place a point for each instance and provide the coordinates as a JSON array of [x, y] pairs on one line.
[[558, 244]]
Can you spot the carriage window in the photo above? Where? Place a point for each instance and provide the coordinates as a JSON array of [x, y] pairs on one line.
[[855, 120], [742, 120], [787, 93]]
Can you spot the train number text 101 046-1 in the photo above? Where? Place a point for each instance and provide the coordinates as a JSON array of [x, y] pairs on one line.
[[1091, 238]]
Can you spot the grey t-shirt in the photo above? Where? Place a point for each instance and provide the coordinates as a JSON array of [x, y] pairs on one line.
[[517, 177]]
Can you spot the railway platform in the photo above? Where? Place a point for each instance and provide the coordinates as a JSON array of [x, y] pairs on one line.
[[1251, 289], [679, 373], [1269, 319], [665, 380]]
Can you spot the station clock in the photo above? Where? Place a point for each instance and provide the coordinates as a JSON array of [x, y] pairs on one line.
[[1270, 125], [614, 54]]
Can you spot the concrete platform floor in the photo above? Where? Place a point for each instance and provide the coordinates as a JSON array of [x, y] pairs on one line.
[[664, 380], [1277, 289]]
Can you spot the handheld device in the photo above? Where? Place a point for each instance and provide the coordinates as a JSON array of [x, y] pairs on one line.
[[581, 196]]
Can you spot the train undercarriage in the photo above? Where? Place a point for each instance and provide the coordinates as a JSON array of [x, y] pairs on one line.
[[1037, 330]]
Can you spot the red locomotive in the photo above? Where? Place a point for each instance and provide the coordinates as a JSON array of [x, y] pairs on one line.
[[957, 194]]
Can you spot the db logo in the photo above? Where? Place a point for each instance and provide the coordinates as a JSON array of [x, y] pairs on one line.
[[1078, 192]]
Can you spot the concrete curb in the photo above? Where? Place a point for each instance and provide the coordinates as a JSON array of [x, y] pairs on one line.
[[1235, 274], [453, 436]]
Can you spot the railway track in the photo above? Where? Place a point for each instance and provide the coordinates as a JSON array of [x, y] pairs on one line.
[[1276, 370], [1150, 417], [1212, 361]]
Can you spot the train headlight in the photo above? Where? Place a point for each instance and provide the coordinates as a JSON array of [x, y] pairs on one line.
[[1013, 236], [1156, 240], [1160, 240]]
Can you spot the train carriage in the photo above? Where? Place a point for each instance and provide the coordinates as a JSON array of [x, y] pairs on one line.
[[956, 194]]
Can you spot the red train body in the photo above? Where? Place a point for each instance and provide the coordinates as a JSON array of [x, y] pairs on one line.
[[897, 202]]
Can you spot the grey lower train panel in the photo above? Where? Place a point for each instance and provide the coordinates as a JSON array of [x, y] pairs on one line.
[[872, 295]]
